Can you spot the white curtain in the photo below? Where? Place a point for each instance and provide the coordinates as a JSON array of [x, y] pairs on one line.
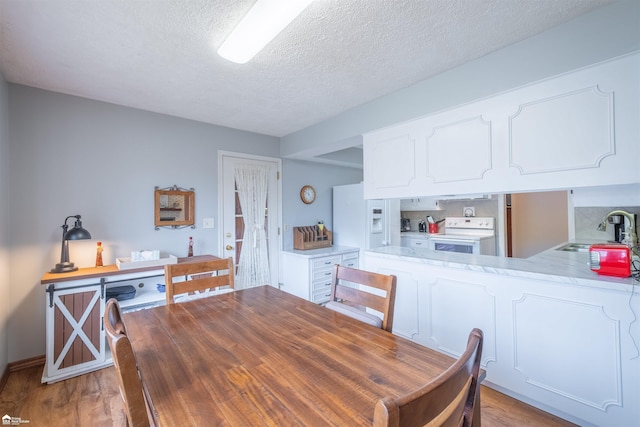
[[253, 267]]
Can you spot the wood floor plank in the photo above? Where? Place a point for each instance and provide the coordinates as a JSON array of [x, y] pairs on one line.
[[93, 399]]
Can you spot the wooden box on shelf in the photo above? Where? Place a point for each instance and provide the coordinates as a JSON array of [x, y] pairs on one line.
[[311, 237]]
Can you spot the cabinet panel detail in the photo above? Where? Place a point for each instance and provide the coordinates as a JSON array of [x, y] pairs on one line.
[[405, 321], [584, 370], [77, 335], [459, 151], [387, 152], [561, 133], [452, 316]]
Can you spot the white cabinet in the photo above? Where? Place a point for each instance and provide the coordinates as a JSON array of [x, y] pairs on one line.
[[409, 241], [568, 348], [419, 204], [308, 274], [575, 130], [75, 337]]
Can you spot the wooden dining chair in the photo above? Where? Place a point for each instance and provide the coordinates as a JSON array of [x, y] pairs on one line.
[[130, 384], [449, 400], [192, 280], [353, 291]]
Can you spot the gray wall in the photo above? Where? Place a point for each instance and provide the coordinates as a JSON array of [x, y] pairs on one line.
[[70, 155], [4, 225], [605, 33], [323, 178]]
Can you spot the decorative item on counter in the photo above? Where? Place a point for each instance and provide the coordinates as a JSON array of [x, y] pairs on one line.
[[190, 252], [311, 237], [433, 225], [321, 226], [127, 264], [145, 255], [99, 250]]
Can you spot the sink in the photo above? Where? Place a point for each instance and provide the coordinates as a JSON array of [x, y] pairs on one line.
[[575, 247]]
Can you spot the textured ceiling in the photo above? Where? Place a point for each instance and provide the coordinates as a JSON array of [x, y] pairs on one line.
[[159, 55]]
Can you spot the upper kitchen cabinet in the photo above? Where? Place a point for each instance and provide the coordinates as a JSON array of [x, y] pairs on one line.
[[574, 130], [419, 204]]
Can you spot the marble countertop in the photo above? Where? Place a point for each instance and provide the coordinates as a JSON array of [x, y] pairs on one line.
[[550, 265], [417, 234], [331, 250]]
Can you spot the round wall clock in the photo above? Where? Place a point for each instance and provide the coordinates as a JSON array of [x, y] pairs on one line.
[[308, 194]]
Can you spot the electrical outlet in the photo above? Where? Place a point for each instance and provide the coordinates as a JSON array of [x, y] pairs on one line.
[[207, 223]]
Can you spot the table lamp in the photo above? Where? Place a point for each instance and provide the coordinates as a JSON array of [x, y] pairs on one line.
[[76, 233]]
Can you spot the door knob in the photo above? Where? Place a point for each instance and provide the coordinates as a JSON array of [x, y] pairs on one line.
[[228, 247]]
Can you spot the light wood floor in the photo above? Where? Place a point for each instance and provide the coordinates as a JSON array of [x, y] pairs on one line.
[[93, 400]]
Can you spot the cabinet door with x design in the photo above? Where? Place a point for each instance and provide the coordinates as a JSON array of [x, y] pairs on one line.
[[77, 341]]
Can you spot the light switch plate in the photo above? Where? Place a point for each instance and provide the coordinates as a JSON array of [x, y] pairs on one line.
[[207, 223]]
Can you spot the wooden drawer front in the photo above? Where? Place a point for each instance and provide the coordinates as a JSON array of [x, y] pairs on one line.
[[324, 263]]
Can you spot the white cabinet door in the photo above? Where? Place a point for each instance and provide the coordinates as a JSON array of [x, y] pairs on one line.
[[419, 204], [414, 242]]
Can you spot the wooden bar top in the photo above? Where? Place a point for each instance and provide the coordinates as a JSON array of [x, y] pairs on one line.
[[109, 270], [265, 357]]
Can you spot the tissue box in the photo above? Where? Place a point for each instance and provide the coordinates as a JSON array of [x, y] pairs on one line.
[[127, 264], [145, 255]]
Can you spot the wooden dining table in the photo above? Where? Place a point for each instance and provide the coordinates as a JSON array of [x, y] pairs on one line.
[[261, 356]]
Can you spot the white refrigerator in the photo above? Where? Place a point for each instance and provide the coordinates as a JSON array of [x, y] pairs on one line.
[[361, 223]]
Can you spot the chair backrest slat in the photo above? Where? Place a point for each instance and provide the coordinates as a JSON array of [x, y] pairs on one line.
[[360, 296], [206, 275]]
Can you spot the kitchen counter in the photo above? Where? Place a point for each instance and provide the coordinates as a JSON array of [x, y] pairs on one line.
[[550, 265], [423, 234], [314, 253], [547, 320]]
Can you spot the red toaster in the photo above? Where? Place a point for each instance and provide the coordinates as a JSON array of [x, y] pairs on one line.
[[610, 259]]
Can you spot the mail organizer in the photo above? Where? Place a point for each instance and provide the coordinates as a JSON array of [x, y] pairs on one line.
[[311, 237]]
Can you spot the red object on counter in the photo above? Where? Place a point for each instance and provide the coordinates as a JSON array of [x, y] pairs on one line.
[[610, 260], [433, 228]]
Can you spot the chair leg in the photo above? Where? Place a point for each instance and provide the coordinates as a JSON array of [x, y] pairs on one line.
[[476, 410]]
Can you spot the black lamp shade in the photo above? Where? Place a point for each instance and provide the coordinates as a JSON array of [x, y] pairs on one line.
[[77, 233]]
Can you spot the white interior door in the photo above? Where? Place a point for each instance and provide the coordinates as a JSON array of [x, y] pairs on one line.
[[232, 223]]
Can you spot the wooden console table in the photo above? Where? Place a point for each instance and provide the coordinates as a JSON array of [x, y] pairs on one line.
[[75, 301]]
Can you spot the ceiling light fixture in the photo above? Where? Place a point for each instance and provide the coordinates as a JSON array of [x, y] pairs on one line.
[[265, 20]]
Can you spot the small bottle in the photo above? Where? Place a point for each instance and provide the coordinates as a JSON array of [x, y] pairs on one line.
[[190, 247], [99, 255]]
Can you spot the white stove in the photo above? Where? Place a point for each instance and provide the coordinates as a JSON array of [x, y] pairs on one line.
[[471, 235]]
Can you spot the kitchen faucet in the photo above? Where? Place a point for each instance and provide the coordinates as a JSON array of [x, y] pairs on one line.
[[632, 225]]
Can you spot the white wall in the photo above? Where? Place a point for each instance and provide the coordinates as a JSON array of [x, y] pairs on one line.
[[605, 33], [4, 217]]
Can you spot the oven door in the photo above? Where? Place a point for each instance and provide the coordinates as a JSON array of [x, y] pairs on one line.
[[461, 246]]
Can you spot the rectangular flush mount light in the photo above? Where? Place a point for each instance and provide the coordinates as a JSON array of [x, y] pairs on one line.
[[265, 20]]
